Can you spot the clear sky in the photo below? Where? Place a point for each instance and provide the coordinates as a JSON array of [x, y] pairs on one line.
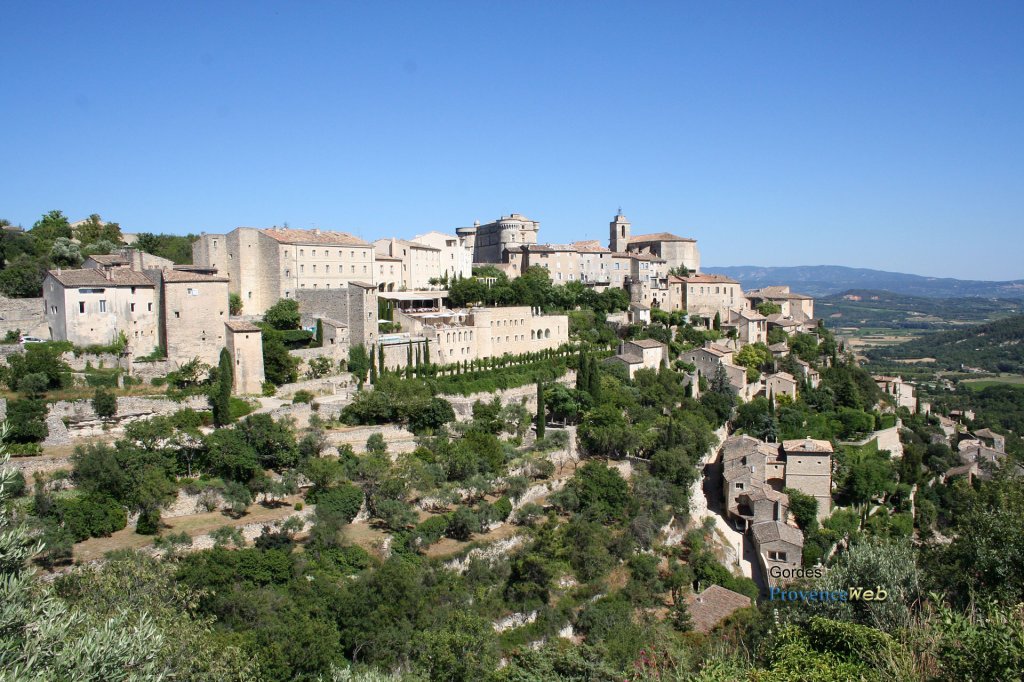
[[886, 135]]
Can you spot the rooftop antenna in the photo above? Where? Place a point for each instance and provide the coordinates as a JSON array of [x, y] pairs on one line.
[[620, 211]]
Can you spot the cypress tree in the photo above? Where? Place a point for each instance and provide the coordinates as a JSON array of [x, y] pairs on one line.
[[541, 409], [718, 322], [408, 360], [373, 368], [220, 401], [594, 378], [380, 358], [426, 352], [419, 356], [582, 379], [319, 333]]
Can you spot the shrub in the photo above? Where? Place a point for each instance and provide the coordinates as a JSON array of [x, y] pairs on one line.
[[432, 529], [395, 514], [26, 420], [344, 500], [501, 509], [299, 506], [462, 523], [148, 523], [238, 408], [269, 389], [302, 396], [105, 403]]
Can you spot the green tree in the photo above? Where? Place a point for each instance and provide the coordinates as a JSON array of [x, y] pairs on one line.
[[283, 315], [541, 411], [234, 304], [220, 398], [804, 509], [279, 366], [104, 403], [358, 362]]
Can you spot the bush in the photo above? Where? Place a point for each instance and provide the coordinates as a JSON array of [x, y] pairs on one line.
[[302, 396], [432, 529], [26, 420], [299, 506], [105, 403], [16, 486], [238, 408], [462, 523], [269, 389], [90, 516], [501, 509], [148, 523], [344, 500]]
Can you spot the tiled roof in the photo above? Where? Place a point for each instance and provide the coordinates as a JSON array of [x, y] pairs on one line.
[[644, 256], [770, 531], [647, 343], [546, 248], [807, 445], [659, 237], [109, 259], [590, 246], [93, 277], [713, 605], [176, 276], [778, 347], [629, 358], [326, 237], [708, 279], [785, 376], [242, 326]]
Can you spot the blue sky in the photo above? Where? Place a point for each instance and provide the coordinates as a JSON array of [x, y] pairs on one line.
[[884, 135]]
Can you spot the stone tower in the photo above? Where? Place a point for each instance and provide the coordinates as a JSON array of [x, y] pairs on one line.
[[618, 233], [244, 342]]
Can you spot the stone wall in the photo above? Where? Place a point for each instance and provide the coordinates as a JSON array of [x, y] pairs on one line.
[[463, 405], [340, 384], [26, 314], [398, 439], [77, 419], [95, 360]]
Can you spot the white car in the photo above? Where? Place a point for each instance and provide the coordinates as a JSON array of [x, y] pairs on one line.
[[31, 339]]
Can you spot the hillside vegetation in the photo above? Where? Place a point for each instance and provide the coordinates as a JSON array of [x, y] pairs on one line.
[[994, 347], [884, 309], [822, 280]]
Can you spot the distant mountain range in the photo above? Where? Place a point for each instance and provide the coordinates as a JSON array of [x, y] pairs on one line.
[[822, 280]]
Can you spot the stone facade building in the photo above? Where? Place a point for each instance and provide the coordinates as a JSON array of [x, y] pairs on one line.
[[420, 262], [266, 265], [456, 255], [94, 306], [245, 344], [491, 243], [903, 394], [641, 354], [194, 308]]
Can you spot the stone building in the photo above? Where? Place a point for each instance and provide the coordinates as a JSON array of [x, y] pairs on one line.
[[354, 305], [903, 394], [420, 262], [641, 354], [809, 470], [562, 261], [244, 342], [194, 308], [779, 550], [676, 251], [795, 306], [707, 361], [491, 243], [779, 384], [389, 273], [712, 606], [266, 265], [705, 295], [94, 306], [595, 263], [456, 255], [750, 325], [460, 335]]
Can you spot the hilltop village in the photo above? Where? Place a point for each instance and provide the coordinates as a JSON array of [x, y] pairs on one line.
[[587, 456]]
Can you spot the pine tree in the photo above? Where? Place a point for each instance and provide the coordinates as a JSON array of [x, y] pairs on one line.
[[541, 410], [220, 400]]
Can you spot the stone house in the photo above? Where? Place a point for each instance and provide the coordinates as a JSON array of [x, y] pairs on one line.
[[705, 295], [266, 265], [780, 383], [902, 393], [194, 308], [641, 354], [796, 306], [712, 606], [420, 262], [779, 549], [809, 470], [750, 325], [562, 261], [94, 306], [456, 256], [245, 345]]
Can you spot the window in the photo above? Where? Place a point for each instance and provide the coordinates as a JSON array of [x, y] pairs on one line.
[[739, 486], [776, 556], [53, 309], [287, 273], [314, 268], [103, 305], [327, 269], [177, 314], [193, 292], [132, 307], [314, 253], [149, 307], [302, 252], [302, 268], [81, 306]]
